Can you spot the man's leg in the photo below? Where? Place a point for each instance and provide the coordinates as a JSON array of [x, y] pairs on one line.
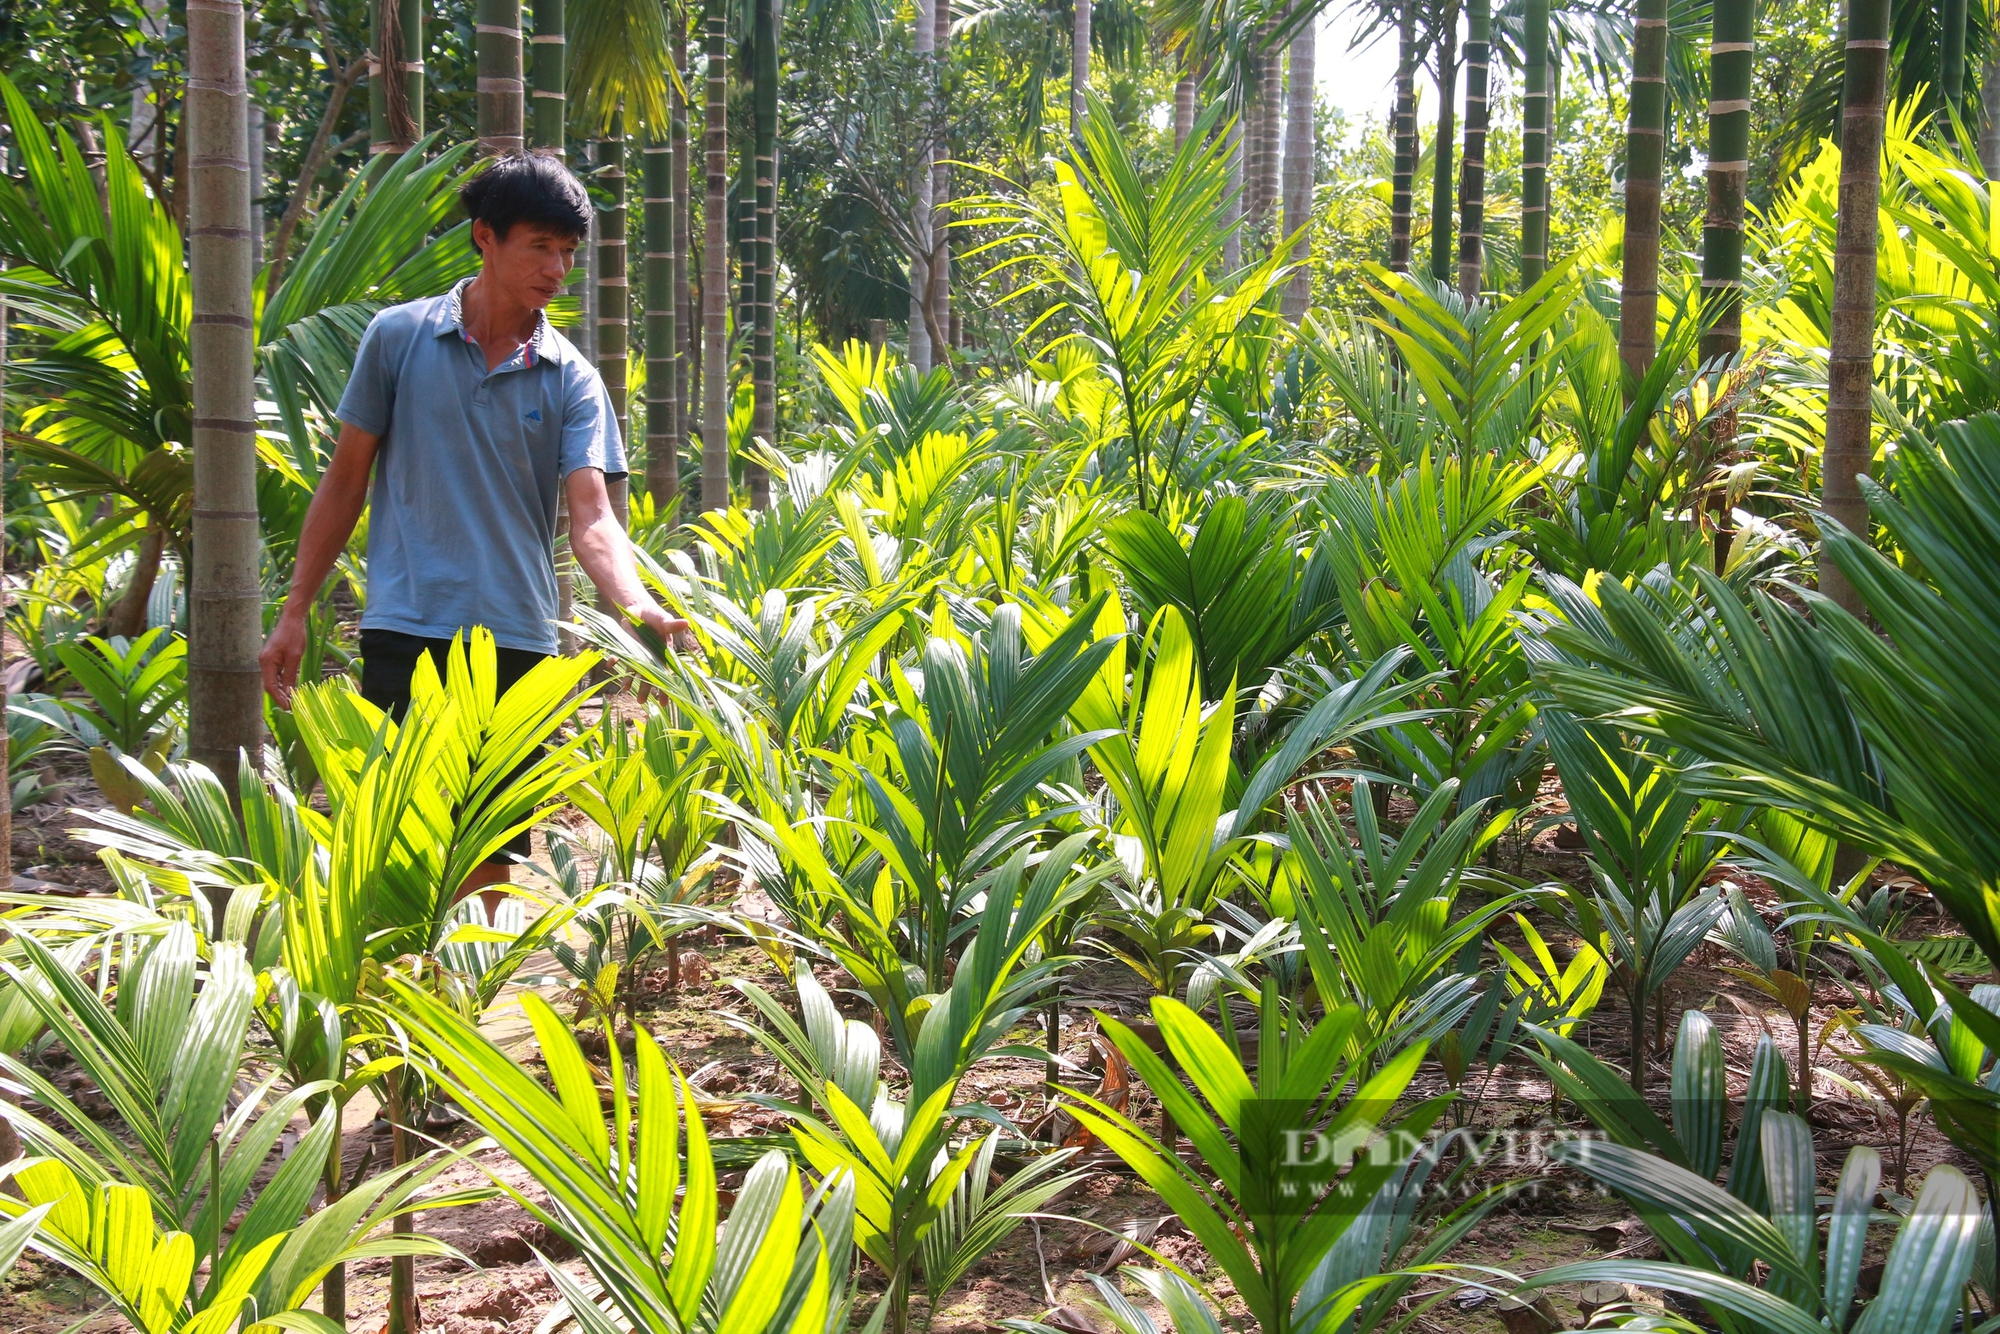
[[510, 666]]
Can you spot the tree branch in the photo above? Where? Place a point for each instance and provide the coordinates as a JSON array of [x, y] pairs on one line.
[[309, 170]]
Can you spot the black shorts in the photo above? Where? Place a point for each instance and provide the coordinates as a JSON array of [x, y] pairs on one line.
[[389, 661]]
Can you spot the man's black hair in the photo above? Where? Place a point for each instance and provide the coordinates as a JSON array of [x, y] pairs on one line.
[[535, 188]]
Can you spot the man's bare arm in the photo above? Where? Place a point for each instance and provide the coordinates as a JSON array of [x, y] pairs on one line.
[[604, 552], [336, 507]]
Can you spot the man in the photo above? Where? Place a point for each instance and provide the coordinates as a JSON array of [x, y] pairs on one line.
[[470, 409]]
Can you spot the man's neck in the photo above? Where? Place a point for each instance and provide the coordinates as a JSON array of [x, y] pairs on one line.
[[491, 315]]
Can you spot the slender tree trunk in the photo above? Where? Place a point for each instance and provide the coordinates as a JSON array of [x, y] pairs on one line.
[[403, 1316], [226, 596], [1472, 171], [662, 405], [257, 200], [1951, 55], [612, 275], [128, 614], [921, 353], [1535, 145], [551, 56], [396, 76], [1271, 125], [764, 323], [1253, 145], [941, 193], [1079, 68], [1447, 137], [1301, 136], [1645, 146], [1403, 181], [1730, 65], [1989, 99], [715, 262], [1184, 94], [683, 222], [1851, 356], [497, 42]]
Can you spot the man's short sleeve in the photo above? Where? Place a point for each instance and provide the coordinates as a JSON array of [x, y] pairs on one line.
[[590, 429], [369, 400]]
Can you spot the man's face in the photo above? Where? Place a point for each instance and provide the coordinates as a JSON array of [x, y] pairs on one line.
[[530, 263]]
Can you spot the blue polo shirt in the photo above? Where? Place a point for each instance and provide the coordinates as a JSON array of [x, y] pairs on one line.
[[462, 519]]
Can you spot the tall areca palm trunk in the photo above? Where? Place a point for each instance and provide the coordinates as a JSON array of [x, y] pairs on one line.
[[683, 233], [663, 463], [1851, 353], [1535, 144], [226, 594], [1079, 68], [497, 43], [1989, 118], [764, 301], [1472, 170], [1270, 124], [1447, 133], [941, 192], [1301, 133], [1951, 55], [715, 260], [612, 274], [1185, 88], [1645, 146], [396, 76], [1732, 38], [1402, 182], [922, 201], [551, 52]]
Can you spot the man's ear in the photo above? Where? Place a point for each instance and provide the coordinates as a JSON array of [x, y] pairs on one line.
[[482, 236]]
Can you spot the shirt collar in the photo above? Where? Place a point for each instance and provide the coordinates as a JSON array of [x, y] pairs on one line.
[[541, 344]]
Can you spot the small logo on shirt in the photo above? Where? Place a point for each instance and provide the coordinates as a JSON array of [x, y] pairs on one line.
[[534, 415]]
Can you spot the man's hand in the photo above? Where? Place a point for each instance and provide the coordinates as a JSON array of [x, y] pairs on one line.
[[673, 632], [281, 655]]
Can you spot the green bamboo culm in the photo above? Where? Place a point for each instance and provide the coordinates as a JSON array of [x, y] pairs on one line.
[[1731, 56], [1447, 133], [663, 464], [1645, 146], [1472, 169], [396, 76], [551, 53], [764, 293], [501, 108], [1851, 342], [1951, 55], [1535, 144]]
